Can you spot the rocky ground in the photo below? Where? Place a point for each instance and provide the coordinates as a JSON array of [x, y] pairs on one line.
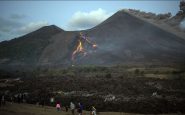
[[135, 90]]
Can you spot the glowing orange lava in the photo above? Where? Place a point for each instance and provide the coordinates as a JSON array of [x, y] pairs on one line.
[[80, 47]]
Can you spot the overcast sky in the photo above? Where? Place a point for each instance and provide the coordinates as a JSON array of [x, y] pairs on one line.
[[21, 17]]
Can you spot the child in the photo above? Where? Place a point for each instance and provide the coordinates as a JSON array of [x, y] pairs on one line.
[[58, 106]]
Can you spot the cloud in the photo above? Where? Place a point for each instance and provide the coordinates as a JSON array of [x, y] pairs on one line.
[[30, 27], [17, 16], [14, 28], [7, 35], [84, 20], [6, 25]]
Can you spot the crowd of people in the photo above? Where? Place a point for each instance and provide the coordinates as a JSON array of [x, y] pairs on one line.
[[73, 107], [18, 98], [21, 98]]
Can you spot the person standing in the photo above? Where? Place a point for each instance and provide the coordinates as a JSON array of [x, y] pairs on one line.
[[52, 99], [11, 99], [19, 98], [3, 100], [58, 106], [80, 109], [72, 107], [93, 110], [0, 100], [66, 108]]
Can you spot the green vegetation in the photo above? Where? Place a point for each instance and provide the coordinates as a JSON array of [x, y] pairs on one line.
[[115, 71]]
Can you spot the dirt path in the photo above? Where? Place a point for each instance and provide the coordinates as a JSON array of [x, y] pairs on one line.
[[28, 109]]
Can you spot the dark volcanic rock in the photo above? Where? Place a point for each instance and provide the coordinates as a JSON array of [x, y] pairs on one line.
[[121, 39], [26, 50]]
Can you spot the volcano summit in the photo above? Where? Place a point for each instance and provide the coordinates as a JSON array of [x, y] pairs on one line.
[[121, 39]]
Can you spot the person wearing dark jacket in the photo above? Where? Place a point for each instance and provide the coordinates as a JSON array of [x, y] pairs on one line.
[[80, 109]]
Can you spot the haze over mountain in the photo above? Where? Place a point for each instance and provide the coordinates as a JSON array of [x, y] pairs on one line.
[[121, 39]]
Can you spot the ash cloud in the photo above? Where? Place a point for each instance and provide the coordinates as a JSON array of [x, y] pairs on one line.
[[182, 25], [150, 15]]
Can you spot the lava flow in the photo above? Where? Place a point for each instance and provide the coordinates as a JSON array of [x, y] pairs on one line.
[[80, 49]]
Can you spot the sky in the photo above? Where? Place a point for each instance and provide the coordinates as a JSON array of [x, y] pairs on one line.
[[21, 17]]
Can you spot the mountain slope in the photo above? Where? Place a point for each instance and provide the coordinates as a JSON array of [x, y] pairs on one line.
[[133, 39], [121, 39], [26, 50]]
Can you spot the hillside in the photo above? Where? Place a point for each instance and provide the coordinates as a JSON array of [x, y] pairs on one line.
[[121, 39], [26, 50], [166, 21]]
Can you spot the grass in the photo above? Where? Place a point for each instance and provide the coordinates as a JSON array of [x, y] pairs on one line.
[[28, 109]]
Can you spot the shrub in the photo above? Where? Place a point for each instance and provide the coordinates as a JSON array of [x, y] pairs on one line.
[[108, 75]]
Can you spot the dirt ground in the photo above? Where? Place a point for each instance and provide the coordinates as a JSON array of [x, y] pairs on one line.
[[28, 109]]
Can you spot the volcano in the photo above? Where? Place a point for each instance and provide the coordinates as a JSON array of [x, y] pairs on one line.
[[121, 39]]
